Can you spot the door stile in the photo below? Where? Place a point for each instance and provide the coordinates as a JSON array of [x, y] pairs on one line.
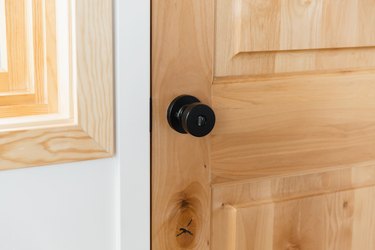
[[182, 63]]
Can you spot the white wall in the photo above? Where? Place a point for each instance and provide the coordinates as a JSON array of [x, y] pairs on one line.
[[133, 88], [97, 205], [66, 207]]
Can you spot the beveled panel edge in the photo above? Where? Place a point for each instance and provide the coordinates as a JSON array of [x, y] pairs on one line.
[[258, 191]]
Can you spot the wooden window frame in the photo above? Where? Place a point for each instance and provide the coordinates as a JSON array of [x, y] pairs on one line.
[[3, 43], [16, 77], [88, 132], [30, 76]]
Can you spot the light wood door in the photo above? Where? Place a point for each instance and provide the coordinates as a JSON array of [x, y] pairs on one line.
[[291, 161]]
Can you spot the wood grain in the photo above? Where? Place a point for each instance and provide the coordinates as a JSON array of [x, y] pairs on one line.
[[263, 37], [95, 71], [324, 25], [182, 59], [327, 210], [47, 146], [87, 134], [284, 124]]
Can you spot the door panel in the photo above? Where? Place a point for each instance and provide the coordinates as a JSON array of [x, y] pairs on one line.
[[273, 36], [327, 210], [274, 25], [330, 221], [291, 161], [300, 122]]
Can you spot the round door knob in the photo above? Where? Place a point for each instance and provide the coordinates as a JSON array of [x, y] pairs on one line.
[[187, 115]]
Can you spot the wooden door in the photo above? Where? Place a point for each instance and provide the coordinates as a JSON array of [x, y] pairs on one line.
[[291, 161]]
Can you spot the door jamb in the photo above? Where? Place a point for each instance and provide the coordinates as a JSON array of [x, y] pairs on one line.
[[132, 38]]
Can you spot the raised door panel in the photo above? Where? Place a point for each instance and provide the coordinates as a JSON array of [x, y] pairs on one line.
[[331, 210], [272, 36], [283, 124], [273, 25]]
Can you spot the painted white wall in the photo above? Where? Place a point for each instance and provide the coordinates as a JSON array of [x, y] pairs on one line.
[[65, 207], [95, 205], [133, 92]]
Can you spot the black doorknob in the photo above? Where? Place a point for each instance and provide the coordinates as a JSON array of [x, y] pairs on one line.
[[187, 115]]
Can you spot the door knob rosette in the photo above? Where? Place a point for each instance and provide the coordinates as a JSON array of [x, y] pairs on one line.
[[187, 115]]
